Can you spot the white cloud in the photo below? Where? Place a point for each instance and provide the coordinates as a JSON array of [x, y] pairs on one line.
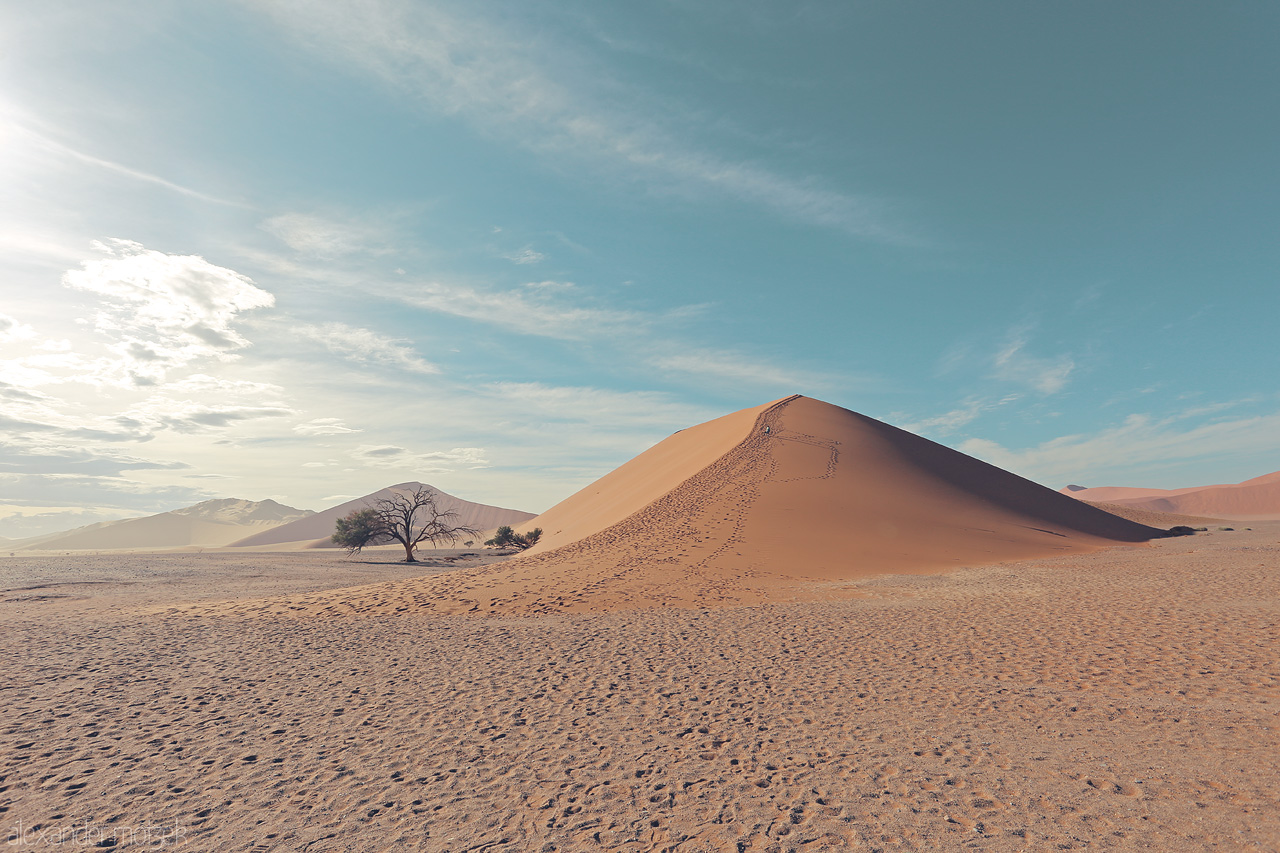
[[542, 98], [57, 433], [1014, 364], [433, 462], [949, 422], [601, 407], [368, 347], [1140, 442], [530, 311], [190, 416], [12, 392], [164, 311], [12, 330], [734, 367], [527, 255], [105, 492], [201, 403], [324, 238], [323, 426]]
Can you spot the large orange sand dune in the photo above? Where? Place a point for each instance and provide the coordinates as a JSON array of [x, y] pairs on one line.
[[783, 501]]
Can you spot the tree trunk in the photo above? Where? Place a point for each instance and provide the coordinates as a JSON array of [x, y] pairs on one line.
[[408, 553]]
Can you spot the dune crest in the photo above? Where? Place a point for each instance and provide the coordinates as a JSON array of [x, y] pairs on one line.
[[781, 502]]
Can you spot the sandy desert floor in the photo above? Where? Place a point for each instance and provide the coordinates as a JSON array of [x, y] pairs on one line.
[[1125, 699]]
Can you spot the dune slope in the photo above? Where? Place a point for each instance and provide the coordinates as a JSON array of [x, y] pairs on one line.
[[792, 493]]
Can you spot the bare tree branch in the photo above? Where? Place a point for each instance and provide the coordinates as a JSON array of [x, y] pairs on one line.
[[408, 518]]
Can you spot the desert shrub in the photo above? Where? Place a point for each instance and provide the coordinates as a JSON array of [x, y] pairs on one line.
[[505, 537]]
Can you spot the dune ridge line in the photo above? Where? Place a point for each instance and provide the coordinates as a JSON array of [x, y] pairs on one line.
[[811, 501]]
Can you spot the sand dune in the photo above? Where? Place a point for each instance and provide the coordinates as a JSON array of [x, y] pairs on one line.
[[648, 477], [1258, 498], [784, 501], [1151, 518], [1109, 494], [207, 524], [315, 530]]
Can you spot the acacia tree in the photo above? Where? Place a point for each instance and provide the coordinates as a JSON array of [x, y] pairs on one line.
[[505, 537], [406, 517]]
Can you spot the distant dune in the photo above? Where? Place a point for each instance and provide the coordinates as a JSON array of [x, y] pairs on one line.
[[315, 530], [208, 524], [782, 501], [1258, 498], [1151, 518]]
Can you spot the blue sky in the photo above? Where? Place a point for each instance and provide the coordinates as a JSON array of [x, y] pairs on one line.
[[302, 249]]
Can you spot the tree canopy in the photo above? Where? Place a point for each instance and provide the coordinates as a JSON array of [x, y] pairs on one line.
[[405, 517], [505, 537]]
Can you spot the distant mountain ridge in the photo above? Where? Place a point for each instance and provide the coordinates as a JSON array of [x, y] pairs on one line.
[[315, 530]]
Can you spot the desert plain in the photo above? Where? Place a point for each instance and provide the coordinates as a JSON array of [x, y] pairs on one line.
[[791, 629], [1124, 699]]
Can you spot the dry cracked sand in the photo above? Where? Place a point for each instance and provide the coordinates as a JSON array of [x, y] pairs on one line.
[[1127, 699]]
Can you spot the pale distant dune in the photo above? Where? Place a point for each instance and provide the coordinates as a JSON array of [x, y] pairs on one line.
[[315, 530], [778, 502], [210, 523], [1258, 498]]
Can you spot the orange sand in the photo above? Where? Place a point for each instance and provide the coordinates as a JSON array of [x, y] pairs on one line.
[[1258, 498], [1125, 699], [1151, 518]]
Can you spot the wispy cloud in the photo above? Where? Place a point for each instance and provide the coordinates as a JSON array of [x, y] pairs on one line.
[[603, 408], [104, 492], [949, 422], [527, 255], [431, 462], [323, 237], [733, 366], [1013, 363], [462, 64], [22, 129], [547, 286], [531, 311], [57, 436], [202, 403], [323, 426], [12, 330], [1139, 442], [368, 347]]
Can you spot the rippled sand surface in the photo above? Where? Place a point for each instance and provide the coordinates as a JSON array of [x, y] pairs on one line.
[[1124, 699]]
